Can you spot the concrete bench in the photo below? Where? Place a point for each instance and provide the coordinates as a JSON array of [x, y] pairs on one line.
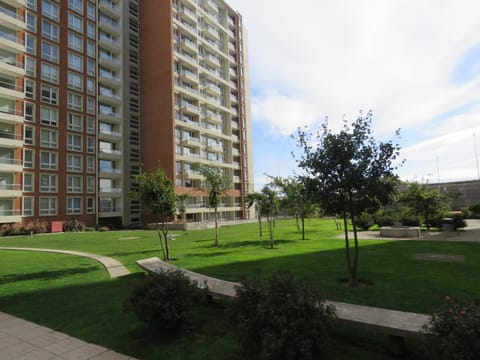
[[398, 325]]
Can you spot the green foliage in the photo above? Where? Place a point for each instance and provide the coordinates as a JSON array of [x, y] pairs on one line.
[[455, 331], [410, 220], [32, 227], [281, 318], [385, 217], [365, 221], [266, 204], [163, 300], [459, 221]]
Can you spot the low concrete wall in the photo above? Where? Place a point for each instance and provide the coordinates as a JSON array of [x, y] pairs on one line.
[[400, 231]]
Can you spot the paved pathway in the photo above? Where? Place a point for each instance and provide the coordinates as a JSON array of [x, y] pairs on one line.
[[24, 340], [114, 267]]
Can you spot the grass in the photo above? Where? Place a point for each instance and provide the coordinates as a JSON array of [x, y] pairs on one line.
[[75, 295]]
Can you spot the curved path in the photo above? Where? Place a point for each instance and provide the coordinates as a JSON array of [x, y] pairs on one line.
[[115, 268]]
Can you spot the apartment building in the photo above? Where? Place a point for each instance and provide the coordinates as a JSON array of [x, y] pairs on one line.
[[195, 98], [78, 119]]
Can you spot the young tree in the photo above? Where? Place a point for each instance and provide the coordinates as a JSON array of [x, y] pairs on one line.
[[216, 184], [348, 172], [156, 191], [182, 209], [429, 204], [295, 199], [269, 205], [253, 199]]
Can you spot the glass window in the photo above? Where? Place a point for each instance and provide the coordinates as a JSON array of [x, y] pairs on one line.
[[91, 86], [31, 21], [91, 105], [49, 52], [29, 135], [76, 5], [90, 205], [48, 205], [48, 138], [75, 22], [75, 101], [28, 205], [31, 44], [49, 72], [90, 30], [48, 160], [90, 48], [90, 125], [75, 41], [30, 66], [29, 112], [90, 144], [74, 142], [32, 4], [90, 11], [50, 9], [75, 81], [90, 67], [49, 94], [30, 89], [90, 184], [49, 30], [48, 183], [28, 182], [48, 116], [75, 61], [74, 184], [74, 163], [28, 159], [74, 122], [90, 164], [74, 205]]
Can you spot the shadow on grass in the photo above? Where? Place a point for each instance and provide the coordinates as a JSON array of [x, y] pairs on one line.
[[47, 275], [207, 255], [146, 253], [245, 243]]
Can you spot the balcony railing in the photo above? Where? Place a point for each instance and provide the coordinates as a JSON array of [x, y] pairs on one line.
[[11, 112], [10, 135], [110, 152], [111, 171], [4, 212], [11, 187], [10, 86], [109, 209], [11, 37], [109, 4], [110, 132], [11, 13], [10, 161], [110, 190]]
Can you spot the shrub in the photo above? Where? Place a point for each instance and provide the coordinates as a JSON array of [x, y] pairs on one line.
[[36, 227], [104, 228], [364, 221], [385, 218], [455, 331], [281, 318], [163, 300], [459, 221], [410, 220]]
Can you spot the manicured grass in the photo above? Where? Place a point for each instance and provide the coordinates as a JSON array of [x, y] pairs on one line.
[[75, 295]]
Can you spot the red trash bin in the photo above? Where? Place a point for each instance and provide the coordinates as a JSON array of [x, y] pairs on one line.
[[56, 226]]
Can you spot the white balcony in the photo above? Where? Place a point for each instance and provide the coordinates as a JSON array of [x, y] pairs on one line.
[[109, 44], [11, 190], [109, 212], [233, 74], [110, 191], [10, 140], [105, 134], [109, 61], [110, 154], [212, 89], [211, 5], [190, 76], [235, 152], [9, 90], [236, 165], [108, 25], [191, 108], [15, 3], [109, 79], [214, 118], [10, 216], [109, 8], [111, 99], [10, 165], [188, 14], [189, 46], [194, 175], [211, 60], [10, 116], [9, 66], [10, 42], [234, 125], [11, 20], [215, 147], [235, 138], [192, 141], [211, 32], [110, 173]]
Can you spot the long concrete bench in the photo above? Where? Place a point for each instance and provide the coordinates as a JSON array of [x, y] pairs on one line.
[[396, 324]]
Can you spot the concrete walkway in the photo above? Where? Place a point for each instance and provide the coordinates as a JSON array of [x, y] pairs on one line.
[[23, 340], [115, 268]]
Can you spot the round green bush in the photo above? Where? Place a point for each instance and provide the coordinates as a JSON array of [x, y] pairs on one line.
[[281, 318]]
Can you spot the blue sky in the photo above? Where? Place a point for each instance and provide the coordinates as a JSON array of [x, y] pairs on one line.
[[414, 63]]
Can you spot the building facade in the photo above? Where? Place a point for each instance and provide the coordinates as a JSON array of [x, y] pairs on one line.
[[92, 91]]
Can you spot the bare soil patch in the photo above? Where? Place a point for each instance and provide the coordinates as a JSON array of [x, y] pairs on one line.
[[440, 257]]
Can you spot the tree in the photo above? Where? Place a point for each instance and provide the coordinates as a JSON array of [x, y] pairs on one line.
[[348, 172], [429, 204], [216, 184], [295, 199], [156, 191], [253, 199], [182, 209], [269, 205]]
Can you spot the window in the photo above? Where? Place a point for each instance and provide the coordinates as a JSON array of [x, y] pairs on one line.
[[76, 5], [49, 94], [90, 67], [74, 122], [50, 9], [48, 160], [28, 159], [75, 22], [28, 182], [27, 206], [74, 162], [29, 135], [74, 184], [48, 205], [29, 89], [74, 205], [31, 21], [91, 105], [90, 144], [48, 138], [29, 112], [48, 116], [31, 44], [90, 205], [90, 48], [32, 4], [48, 183], [91, 125], [74, 142], [91, 86], [49, 73], [50, 30], [91, 30], [90, 184], [75, 101], [90, 164], [75, 61], [30, 66], [75, 41], [75, 81], [90, 11], [49, 52]]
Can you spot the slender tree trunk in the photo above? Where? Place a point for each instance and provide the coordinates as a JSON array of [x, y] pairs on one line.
[[161, 242], [347, 243], [259, 216], [216, 226], [270, 221], [353, 279], [303, 227], [165, 236], [296, 221]]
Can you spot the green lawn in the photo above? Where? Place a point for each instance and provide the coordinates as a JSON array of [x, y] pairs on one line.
[[75, 295]]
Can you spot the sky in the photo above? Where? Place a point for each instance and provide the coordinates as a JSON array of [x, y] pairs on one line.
[[414, 63]]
